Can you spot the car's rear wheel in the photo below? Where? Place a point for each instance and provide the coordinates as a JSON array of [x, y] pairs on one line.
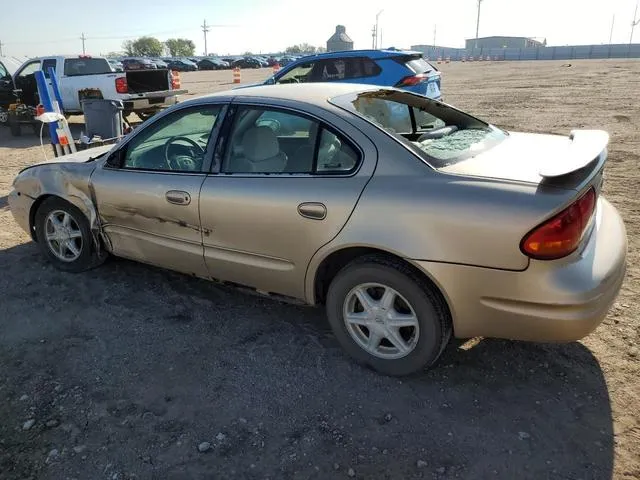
[[387, 317], [64, 236]]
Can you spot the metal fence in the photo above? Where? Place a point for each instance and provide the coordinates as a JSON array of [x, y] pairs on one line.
[[574, 52]]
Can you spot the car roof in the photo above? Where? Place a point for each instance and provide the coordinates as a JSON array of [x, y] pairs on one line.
[[374, 54], [311, 93]]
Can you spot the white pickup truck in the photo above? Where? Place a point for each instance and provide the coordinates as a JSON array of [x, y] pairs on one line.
[[142, 91]]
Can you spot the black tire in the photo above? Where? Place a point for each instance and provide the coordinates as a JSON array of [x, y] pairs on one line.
[[4, 117], [428, 305], [89, 256]]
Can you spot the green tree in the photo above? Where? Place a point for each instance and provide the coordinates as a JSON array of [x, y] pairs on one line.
[[300, 48], [321, 50], [144, 47], [180, 47]]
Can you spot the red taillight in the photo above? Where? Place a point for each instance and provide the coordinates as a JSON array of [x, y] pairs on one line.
[[561, 234], [121, 85], [412, 80], [175, 79]]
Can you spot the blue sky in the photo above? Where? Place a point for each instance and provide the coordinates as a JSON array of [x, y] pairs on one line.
[[272, 25]]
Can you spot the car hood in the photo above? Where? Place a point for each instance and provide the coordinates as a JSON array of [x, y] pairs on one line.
[[532, 157], [81, 156]]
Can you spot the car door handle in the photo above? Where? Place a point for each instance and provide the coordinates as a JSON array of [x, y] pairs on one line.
[[313, 210], [178, 197]]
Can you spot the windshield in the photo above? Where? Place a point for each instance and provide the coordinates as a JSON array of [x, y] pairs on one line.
[[436, 132]]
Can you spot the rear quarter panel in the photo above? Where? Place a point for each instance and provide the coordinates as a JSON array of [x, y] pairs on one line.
[[417, 213]]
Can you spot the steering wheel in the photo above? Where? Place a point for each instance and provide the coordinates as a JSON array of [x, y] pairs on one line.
[[192, 162]]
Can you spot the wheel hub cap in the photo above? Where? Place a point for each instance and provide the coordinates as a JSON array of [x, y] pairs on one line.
[[63, 236], [381, 321]]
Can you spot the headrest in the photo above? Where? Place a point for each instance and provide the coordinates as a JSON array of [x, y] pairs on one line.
[[260, 143]]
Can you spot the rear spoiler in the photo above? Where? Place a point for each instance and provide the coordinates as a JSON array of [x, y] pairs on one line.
[[583, 148]]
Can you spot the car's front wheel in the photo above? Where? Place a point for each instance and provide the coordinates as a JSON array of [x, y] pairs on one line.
[[64, 236], [387, 317]]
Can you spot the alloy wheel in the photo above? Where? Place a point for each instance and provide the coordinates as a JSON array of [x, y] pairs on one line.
[[381, 321]]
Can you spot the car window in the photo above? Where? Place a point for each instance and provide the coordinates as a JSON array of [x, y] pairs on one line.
[[347, 68], [439, 134], [30, 68], [3, 71], [335, 155], [298, 74], [392, 116], [176, 142], [269, 141], [46, 64], [86, 66]]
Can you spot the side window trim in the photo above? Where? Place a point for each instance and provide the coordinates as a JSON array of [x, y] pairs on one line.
[[115, 161]]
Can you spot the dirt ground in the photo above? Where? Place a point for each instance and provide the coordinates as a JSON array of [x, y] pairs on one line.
[[124, 371]]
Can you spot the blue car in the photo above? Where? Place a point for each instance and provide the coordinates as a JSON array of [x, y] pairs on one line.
[[395, 68], [389, 68]]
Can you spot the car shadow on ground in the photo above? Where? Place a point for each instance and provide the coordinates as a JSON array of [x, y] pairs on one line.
[[150, 363]]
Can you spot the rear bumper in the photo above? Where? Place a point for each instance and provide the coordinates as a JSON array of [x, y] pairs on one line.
[[552, 301], [151, 100]]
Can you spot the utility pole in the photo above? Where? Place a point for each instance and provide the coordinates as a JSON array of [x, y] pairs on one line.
[[434, 36], [205, 29], [83, 38], [613, 20], [634, 23], [373, 37], [1, 47], [376, 32], [478, 22]]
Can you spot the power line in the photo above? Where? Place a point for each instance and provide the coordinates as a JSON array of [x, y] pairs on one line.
[[205, 29], [83, 38]]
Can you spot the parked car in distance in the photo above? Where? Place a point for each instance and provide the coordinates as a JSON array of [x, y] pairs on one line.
[[182, 65], [212, 64], [410, 220], [116, 65], [392, 68], [138, 63], [246, 62], [286, 60], [159, 62]]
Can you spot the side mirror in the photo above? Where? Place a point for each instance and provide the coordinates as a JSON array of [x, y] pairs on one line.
[[270, 81]]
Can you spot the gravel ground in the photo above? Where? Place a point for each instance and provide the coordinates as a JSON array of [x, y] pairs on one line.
[[134, 372]]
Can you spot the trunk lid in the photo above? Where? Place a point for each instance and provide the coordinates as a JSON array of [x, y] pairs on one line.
[[572, 161]]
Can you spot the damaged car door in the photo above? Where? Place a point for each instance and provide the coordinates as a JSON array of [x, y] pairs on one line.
[[147, 192]]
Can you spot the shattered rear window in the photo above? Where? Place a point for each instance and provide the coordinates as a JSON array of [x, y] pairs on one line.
[[439, 134], [453, 145]]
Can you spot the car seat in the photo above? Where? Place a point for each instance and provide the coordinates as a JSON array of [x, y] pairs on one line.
[[262, 151]]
